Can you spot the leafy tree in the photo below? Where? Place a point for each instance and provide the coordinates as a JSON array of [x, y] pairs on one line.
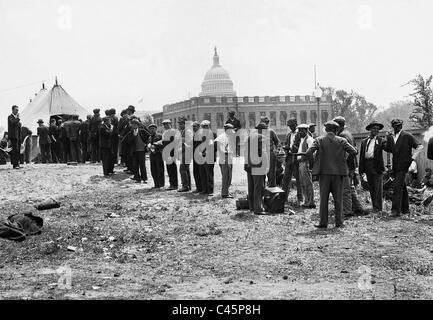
[[422, 113], [147, 118], [399, 109], [352, 106]]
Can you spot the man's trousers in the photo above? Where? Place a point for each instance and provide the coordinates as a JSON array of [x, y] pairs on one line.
[[197, 179], [375, 185], [272, 174], [45, 152], [185, 175], [15, 152], [306, 183], [139, 159], [172, 174], [74, 150], [400, 199], [331, 184], [292, 169], [207, 178], [157, 169], [255, 192], [226, 173], [106, 157]]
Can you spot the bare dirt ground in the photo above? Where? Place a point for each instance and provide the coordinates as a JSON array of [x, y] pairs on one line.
[[135, 243]]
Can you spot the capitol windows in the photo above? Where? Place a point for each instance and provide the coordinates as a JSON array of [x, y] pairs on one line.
[[324, 116], [252, 119], [218, 100], [303, 116], [273, 118], [193, 117], [206, 101], [242, 119], [207, 116], [220, 120], [283, 118], [313, 116], [230, 100], [293, 114]]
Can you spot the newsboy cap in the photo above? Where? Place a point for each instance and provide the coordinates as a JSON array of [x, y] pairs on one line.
[[340, 120], [152, 125], [131, 108], [229, 126], [292, 121], [182, 119], [40, 121], [331, 125], [205, 123], [166, 121], [303, 126], [97, 110]]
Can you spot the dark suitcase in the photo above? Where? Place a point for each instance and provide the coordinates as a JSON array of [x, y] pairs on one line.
[[274, 199], [242, 204]]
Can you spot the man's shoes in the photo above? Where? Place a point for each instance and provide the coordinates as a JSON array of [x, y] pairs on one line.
[[395, 214], [320, 227], [196, 191], [17, 167], [261, 213], [339, 226], [210, 194], [145, 181], [185, 189], [202, 192], [171, 188], [229, 196]]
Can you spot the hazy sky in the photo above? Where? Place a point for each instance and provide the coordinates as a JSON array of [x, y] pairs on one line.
[[113, 53]]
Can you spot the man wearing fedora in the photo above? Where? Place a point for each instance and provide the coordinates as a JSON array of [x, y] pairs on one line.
[[401, 143], [236, 125], [331, 168], [44, 142], [275, 144], [14, 130], [371, 164]]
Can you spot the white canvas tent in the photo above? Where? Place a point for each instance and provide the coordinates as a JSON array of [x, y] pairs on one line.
[[55, 102]]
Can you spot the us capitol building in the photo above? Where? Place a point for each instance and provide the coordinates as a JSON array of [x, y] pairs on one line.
[[218, 97]]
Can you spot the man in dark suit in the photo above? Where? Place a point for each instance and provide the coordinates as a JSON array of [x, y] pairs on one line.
[[44, 142], [53, 132], [401, 143], [64, 142], [106, 145], [26, 140], [73, 132], [155, 156], [351, 203], [292, 166], [115, 124], [275, 144], [371, 164], [331, 168], [184, 142], [257, 166], [139, 139], [14, 130], [167, 137], [195, 164], [84, 138], [208, 148], [94, 125]]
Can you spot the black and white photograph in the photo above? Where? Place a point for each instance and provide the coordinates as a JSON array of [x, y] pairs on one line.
[[190, 151]]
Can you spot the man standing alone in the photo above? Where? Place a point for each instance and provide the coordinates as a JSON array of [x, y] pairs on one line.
[[14, 130], [331, 168], [401, 143]]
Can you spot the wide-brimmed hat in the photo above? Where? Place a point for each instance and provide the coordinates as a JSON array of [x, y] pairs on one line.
[[182, 119], [131, 108], [166, 121], [205, 123], [292, 121], [229, 126], [96, 110], [152, 125], [311, 125], [374, 123], [40, 121]]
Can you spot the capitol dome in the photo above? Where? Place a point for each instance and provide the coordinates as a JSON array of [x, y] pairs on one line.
[[217, 82]]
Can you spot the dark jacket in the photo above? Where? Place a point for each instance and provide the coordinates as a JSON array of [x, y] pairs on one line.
[[54, 132], [105, 137], [331, 155], [84, 131], [152, 140], [378, 164], [14, 128], [402, 150], [351, 159], [261, 154], [43, 134], [141, 134], [94, 125], [430, 149], [72, 129], [235, 122]]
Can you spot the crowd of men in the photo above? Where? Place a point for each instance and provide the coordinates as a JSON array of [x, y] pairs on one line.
[[330, 158]]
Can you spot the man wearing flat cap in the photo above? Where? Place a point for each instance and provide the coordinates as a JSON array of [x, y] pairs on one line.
[[401, 143], [130, 110], [331, 168], [292, 167], [275, 144], [94, 125], [44, 142], [371, 166], [312, 130], [305, 177], [168, 136], [106, 145], [351, 203], [155, 157]]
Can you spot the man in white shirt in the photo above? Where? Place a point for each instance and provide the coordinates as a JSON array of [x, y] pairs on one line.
[[304, 167], [226, 148]]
